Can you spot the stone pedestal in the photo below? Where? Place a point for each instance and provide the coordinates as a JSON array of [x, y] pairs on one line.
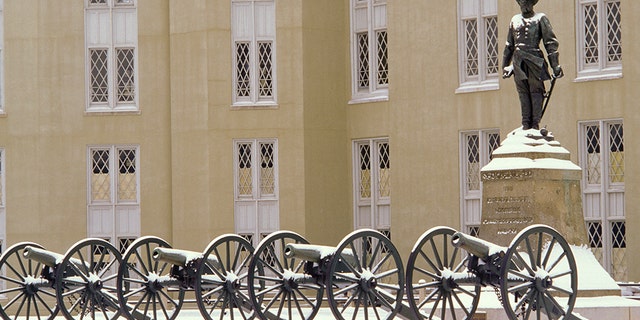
[[531, 180]]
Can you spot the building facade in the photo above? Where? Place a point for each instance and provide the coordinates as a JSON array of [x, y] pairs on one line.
[[190, 119]]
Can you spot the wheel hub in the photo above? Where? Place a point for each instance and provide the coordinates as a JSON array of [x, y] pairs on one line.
[[368, 281]]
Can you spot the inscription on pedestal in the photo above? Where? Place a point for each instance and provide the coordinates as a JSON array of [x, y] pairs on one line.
[[505, 216]]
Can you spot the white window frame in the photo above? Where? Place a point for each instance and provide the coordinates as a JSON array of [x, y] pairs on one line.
[[256, 25], [603, 201], [372, 211], [471, 198], [256, 214], [602, 70], [114, 219], [370, 17], [111, 26], [480, 10]]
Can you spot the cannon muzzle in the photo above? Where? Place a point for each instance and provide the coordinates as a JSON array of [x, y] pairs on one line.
[[181, 257], [315, 253], [476, 246]]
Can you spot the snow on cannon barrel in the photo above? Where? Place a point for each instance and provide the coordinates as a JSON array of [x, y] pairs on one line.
[[316, 253], [476, 246], [182, 257]]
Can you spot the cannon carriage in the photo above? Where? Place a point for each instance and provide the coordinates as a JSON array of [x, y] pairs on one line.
[[285, 277], [154, 278], [80, 284], [536, 276], [363, 277]]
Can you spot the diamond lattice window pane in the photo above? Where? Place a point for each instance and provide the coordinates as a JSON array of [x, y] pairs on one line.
[[363, 60], [491, 24], [383, 65], [99, 86], [365, 171], [618, 253], [474, 231], [590, 34], [494, 143], [473, 162], [614, 32], [243, 74], [125, 81], [100, 177], [593, 154], [384, 175], [265, 69], [245, 177], [248, 237], [124, 243], [471, 43], [97, 1], [595, 234], [616, 154], [127, 182], [267, 170]]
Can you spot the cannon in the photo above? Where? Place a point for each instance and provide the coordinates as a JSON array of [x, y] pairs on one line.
[[536, 276], [363, 277], [80, 284], [153, 278]]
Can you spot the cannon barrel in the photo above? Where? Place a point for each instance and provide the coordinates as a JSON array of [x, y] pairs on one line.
[[43, 256], [476, 246], [49, 258], [182, 257], [316, 253]]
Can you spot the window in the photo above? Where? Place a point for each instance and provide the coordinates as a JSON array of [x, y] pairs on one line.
[[111, 35], [372, 184], [602, 159], [254, 38], [256, 188], [478, 45], [113, 194], [599, 39], [476, 148], [369, 50]]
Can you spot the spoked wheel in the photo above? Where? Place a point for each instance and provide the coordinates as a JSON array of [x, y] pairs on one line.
[[221, 284], [278, 286], [143, 283], [538, 275], [438, 284], [86, 281], [27, 286], [366, 277]]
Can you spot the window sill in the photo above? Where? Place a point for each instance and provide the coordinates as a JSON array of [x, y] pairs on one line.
[[254, 106], [586, 76], [478, 87], [369, 99], [110, 112]]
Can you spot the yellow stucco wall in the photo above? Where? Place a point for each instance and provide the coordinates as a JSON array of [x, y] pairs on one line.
[[186, 124]]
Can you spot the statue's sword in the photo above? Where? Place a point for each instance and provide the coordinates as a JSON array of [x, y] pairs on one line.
[[548, 96]]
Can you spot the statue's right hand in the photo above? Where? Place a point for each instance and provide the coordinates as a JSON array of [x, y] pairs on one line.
[[507, 72]]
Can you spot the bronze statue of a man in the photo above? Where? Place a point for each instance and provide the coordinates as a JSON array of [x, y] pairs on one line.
[[529, 67]]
